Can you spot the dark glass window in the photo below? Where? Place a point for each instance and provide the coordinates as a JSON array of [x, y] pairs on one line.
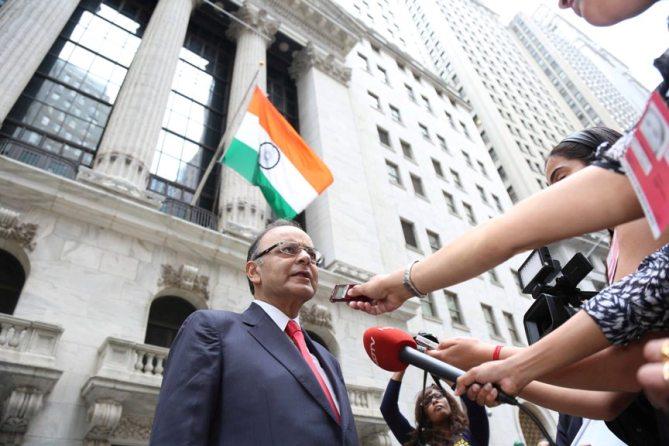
[[409, 231], [64, 109], [454, 309], [195, 116], [12, 278], [417, 184], [428, 306], [165, 318]]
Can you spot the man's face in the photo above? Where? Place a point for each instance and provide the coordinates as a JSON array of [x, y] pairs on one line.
[[279, 275]]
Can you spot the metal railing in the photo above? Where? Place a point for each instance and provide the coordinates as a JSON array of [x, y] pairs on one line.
[[39, 158], [190, 213]]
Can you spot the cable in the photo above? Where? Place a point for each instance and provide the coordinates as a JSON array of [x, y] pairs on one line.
[[538, 423]]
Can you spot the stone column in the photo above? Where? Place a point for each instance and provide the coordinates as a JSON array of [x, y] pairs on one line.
[[124, 157], [243, 209], [28, 28], [327, 124]]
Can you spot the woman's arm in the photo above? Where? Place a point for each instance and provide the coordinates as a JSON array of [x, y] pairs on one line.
[[561, 211], [610, 369], [478, 422], [595, 405], [574, 340], [398, 425]]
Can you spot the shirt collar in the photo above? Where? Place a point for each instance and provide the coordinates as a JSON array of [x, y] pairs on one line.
[[278, 316]]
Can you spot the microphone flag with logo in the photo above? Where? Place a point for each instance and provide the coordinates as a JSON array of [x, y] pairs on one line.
[[268, 152], [383, 345]]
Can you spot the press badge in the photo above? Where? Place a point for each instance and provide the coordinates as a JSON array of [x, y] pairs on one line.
[[646, 162]]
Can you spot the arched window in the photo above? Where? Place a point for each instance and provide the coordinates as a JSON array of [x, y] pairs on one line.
[[12, 278], [165, 317], [316, 338]]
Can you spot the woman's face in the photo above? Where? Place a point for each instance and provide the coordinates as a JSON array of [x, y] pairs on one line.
[[559, 167], [436, 407]]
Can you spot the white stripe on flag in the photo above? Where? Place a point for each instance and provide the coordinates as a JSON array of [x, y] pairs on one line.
[[284, 177]]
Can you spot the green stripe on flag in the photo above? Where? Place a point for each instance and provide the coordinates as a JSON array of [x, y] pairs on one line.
[[280, 207], [244, 160]]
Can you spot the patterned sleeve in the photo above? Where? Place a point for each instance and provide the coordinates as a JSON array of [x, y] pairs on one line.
[[636, 304], [608, 156]]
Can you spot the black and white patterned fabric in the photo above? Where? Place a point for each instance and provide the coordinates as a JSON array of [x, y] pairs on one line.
[[639, 302], [636, 304]]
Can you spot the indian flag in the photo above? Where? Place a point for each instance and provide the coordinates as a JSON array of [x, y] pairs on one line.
[[269, 153]]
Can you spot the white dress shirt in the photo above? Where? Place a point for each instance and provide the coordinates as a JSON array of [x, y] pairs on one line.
[[281, 320]]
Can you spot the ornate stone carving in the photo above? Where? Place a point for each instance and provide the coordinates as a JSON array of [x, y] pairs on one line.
[[309, 57], [320, 21], [135, 428], [255, 18], [184, 277], [316, 315], [103, 417], [11, 228], [19, 408]]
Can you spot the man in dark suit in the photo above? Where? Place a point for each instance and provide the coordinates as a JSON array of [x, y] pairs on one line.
[[256, 378]]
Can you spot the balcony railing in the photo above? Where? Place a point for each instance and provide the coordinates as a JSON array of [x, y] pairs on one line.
[[190, 213], [131, 362], [365, 401], [39, 158], [28, 341]]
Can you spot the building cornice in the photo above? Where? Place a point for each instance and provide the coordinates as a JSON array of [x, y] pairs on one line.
[[25, 186], [376, 39], [321, 22]]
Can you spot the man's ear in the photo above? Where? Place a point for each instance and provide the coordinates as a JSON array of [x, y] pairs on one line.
[[252, 273]]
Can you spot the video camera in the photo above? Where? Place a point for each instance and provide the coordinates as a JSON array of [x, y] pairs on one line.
[[556, 303]]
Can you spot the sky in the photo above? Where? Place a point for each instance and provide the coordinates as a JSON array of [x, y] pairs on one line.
[[636, 42]]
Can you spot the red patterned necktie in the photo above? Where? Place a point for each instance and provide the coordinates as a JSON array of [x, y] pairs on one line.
[[294, 332]]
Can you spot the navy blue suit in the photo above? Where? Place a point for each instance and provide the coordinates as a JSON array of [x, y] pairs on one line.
[[237, 379]]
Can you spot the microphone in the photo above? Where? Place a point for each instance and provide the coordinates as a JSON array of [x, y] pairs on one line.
[[394, 350]]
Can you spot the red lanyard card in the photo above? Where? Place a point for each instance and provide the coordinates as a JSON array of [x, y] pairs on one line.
[[646, 163]]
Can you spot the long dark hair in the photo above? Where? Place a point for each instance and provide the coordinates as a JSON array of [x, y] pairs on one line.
[[456, 423], [582, 145]]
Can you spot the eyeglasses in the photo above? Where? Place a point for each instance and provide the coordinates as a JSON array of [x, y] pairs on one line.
[[432, 397], [291, 249]]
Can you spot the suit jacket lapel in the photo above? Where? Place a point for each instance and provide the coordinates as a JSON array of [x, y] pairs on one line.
[[277, 344], [335, 379]]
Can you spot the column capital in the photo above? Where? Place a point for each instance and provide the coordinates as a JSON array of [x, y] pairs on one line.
[[310, 56], [257, 19]]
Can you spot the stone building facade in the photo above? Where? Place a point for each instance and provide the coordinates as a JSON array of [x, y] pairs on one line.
[[110, 114]]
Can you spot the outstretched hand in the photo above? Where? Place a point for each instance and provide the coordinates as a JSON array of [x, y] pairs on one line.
[[503, 373], [385, 291], [654, 376]]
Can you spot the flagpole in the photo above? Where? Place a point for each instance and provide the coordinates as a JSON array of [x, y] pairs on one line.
[[234, 123]]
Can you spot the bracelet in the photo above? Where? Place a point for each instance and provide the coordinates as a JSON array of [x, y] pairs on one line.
[[408, 284], [496, 352]]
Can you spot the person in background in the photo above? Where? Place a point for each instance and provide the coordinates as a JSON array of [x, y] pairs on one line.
[[440, 421]]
